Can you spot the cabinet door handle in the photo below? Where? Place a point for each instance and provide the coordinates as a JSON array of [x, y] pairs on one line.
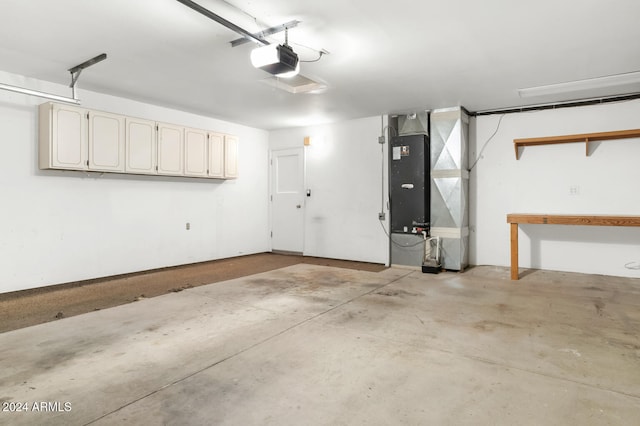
[[298, 206]]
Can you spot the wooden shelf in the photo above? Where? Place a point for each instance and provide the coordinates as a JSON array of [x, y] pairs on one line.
[[585, 137]]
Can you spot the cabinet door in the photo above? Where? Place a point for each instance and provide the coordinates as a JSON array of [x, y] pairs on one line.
[[68, 139], [195, 152], [170, 150], [216, 155], [230, 156], [140, 146], [106, 142]]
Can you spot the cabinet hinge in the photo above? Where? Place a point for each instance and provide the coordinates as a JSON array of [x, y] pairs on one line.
[[87, 116], [157, 128], [87, 163], [156, 168], [271, 234], [271, 197]]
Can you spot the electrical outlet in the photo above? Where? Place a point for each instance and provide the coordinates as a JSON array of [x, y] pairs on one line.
[[382, 216], [188, 226], [381, 140], [574, 190]]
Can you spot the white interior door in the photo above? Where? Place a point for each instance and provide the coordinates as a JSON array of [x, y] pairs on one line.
[[287, 200]]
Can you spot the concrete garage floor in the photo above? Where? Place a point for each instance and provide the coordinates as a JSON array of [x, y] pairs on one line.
[[30, 307], [318, 345]]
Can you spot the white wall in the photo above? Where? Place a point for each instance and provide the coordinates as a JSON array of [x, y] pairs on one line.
[[540, 182], [63, 226], [344, 173]]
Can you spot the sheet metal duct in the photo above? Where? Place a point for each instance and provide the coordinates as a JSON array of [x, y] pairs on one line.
[[450, 185], [414, 124]]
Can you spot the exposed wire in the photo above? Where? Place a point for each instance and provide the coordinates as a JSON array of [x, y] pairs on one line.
[[391, 131], [398, 244], [635, 265], [390, 128], [486, 143], [320, 53], [382, 166]]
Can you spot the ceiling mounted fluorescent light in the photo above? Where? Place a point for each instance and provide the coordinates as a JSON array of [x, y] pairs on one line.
[[580, 85]]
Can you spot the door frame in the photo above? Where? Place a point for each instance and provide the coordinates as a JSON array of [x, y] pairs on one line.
[[303, 152]]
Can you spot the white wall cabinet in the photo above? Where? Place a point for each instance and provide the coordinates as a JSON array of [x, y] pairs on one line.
[[73, 138], [141, 146], [63, 137], [195, 152], [106, 142], [170, 150], [230, 157], [216, 155]]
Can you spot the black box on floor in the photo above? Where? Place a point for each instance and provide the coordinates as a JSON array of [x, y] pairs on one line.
[[431, 269]]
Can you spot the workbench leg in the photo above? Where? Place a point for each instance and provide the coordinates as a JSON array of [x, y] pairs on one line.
[[514, 251]]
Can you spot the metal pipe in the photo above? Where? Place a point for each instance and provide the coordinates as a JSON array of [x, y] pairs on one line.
[[101, 57], [219, 19], [267, 32], [39, 94], [557, 105]]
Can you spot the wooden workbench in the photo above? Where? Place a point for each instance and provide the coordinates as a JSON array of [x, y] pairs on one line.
[[547, 219]]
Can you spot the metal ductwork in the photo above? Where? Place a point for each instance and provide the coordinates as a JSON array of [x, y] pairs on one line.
[[450, 185], [414, 124]]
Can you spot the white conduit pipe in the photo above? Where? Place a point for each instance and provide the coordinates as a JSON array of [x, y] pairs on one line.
[[39, 94]]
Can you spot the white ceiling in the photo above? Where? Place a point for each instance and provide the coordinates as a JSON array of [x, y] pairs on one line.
[[385, 57]]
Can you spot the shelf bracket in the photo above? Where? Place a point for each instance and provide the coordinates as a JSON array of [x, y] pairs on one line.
[[586, 147]]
